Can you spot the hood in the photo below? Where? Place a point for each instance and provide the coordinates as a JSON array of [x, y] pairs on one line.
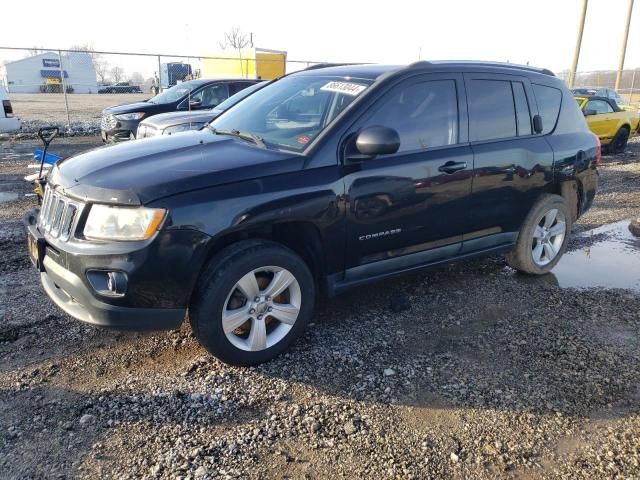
[[139, 172], [128, 107], [164, 120]]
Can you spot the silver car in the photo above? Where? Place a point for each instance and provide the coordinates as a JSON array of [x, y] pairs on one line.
[[175, 122]]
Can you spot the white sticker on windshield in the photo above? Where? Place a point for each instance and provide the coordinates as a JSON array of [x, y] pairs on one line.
[[348, 88]]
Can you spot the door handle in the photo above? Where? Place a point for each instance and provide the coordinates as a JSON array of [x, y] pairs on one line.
[[452, 167]]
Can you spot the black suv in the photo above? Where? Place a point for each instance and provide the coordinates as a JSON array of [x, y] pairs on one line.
[[120, 122], [323, 180]]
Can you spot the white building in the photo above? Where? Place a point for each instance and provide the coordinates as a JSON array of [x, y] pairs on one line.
[[44, 73]]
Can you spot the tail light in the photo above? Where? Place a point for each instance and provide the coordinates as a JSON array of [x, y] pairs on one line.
[[8, 109], [598, 150]]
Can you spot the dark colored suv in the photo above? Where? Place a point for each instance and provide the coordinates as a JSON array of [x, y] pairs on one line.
[[323, 180], [120, 122]]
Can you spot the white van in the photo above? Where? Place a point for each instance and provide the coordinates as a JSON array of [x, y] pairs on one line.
[[8, 123]]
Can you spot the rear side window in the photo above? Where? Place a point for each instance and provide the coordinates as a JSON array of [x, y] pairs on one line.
[[425, 115], [523, 116], [548, 100], [491, 110]]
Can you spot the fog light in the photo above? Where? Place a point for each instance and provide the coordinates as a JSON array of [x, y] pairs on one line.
[[116, 283], [110, 284]]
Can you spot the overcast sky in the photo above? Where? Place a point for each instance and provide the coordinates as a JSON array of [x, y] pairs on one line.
[[541, 32]]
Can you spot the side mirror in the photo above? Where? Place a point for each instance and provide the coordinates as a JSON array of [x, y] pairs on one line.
[[589, 112], [537, 124], [377, 140], [195, 103]]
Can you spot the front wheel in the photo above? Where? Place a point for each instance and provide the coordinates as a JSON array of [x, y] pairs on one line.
[[253, 300], [543, 237]]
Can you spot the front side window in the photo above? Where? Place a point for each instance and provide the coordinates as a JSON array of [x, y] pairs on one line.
[[210, 96], [425, 115], [291, 112], [598, 106], [491, 110]]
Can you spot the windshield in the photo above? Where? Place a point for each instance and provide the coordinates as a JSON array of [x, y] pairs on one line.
[[174, 93], [291, 112], [244, 93]]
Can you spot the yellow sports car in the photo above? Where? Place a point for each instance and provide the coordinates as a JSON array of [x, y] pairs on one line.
[[609, 122]]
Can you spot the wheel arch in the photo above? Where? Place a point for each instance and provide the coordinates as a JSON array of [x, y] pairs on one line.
[[303, 237]]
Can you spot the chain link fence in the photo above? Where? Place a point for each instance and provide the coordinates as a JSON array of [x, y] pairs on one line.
[[70, 88]]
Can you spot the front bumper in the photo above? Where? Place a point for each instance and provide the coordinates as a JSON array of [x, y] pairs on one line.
[[118, 130], [70, 294], [160, 279]]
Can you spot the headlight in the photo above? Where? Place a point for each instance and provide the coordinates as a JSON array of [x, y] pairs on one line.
[[122, 223], [130, 116], [183, 127]]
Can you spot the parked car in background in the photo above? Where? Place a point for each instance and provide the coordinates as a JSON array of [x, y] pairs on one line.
[[175, 122], [323, 180], [610, 123], [605, 92], [120, 87], [120, 123], [8, 121]]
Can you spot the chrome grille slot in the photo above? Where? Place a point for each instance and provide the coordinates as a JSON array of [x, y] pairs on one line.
[[58, 215], [70, 216]]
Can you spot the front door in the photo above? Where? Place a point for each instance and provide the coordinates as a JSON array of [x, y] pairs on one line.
[[409, 208]]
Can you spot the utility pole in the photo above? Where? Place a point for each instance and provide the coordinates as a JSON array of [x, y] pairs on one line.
[[624, 46], [576, 53]]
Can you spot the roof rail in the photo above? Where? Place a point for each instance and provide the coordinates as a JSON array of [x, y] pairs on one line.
[[515, 66], [327, 65]]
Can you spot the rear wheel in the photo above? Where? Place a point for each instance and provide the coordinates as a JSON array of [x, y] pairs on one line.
[[543, 237], [254, 299], [620, 140]]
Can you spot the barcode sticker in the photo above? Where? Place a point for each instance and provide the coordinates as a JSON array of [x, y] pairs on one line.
[[348, 88]]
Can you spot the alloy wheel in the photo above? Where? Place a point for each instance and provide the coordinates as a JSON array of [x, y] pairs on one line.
[[548, 237], [261, 308]]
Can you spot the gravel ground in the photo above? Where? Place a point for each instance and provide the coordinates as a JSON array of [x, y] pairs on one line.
[[468, 371]]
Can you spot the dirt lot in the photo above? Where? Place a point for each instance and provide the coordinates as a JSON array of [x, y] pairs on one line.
[[38, 109], [467, 371]]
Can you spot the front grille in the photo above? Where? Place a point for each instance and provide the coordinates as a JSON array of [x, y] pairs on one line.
[[108, 122], [58, 214]]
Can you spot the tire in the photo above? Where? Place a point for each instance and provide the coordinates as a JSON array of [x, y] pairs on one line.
[[533, 253], [619, 142], [259, 335]]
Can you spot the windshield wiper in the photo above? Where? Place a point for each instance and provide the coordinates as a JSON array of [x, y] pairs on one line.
[[251, 137]]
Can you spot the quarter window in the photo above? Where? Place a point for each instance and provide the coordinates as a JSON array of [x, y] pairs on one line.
[[548, 100], [491, 110], [425, 115]]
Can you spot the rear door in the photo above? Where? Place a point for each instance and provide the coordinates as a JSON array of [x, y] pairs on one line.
[[512, 164], [404, 208]]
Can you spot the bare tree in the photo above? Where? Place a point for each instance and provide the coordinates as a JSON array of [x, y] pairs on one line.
[[117, 74], [237, 39], [102, 70]]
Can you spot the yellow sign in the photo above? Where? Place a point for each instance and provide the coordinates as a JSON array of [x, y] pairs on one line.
[[53, 81]]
